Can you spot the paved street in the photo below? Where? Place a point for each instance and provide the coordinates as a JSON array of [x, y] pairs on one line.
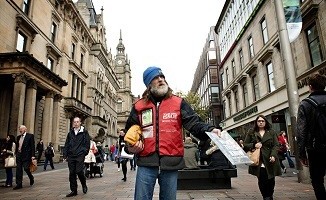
[[54, 184]]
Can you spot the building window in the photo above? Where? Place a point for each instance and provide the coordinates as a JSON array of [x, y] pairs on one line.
[[214, 94], [270, 74], [251, 47], [227, 75], [119, 109], [236, 98], [73, 51], [50, 63], [53, 32], [233, 69], [255, 87], [73, 86], [223, 81], [224, 106], [230, 105], [314, 45], [241, 58], [81, 60], [26, 6], [263, 25], [245, 95], [21, 42]]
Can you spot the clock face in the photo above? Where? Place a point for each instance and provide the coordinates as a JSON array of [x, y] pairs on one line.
[[119, 62]]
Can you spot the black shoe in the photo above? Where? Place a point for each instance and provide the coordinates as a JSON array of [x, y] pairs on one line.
[[71, 194], [85, 189], [18, 187], [124, 179], [31, 181]]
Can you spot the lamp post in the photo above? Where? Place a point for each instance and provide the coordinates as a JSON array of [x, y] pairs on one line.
[[291, 85]]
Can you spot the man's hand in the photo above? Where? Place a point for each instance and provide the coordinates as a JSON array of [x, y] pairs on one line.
[[138, 147], [304, 162], [217, 131]]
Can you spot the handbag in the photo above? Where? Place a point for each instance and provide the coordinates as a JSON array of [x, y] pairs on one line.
[[10, 161], [254, 156], [124, 154], [133, 135], [33, 166]]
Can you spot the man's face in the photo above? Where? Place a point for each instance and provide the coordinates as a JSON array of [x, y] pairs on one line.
[[76, 122], [22, 130], [159, 87]]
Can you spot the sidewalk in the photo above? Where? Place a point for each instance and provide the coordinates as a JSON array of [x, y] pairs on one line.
[[54, 184]]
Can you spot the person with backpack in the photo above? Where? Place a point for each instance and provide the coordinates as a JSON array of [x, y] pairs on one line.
[[311, 133], [49, 154]]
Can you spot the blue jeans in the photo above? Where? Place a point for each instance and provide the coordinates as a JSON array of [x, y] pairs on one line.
[[290, 161], [146, 179]]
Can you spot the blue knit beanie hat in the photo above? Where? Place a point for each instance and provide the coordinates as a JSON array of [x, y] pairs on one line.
[[150, 73]]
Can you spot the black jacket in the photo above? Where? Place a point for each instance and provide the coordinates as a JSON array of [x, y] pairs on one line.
[[305, 123], [190, 121], [77, 145], [28, 147]]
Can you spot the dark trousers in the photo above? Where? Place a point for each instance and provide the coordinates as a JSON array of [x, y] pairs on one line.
[[317, 173], [266, 186], [39, 155], [9, 176], [19, 169], [124, 167], [48, 159], [76, 167]]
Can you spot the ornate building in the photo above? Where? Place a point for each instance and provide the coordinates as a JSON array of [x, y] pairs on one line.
[[54, 65], [125, 98]]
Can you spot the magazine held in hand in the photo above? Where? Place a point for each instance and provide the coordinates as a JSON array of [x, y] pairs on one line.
[[230, 148]]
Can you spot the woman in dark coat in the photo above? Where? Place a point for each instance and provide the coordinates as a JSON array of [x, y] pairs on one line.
[[9, 149], [269, 166]]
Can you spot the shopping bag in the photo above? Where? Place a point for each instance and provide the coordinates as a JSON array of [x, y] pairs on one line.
[[124, 154], [33, 166], [10, 161], [254, 156]]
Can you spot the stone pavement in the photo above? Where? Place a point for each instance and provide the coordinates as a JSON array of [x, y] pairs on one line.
[[54, 184]]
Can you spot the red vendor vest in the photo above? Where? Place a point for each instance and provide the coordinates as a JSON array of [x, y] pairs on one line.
[[161, 127]]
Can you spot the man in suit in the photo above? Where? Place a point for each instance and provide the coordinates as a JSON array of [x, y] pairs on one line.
[[76, 148], [25, 149]]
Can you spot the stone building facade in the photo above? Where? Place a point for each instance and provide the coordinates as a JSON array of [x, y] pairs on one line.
[[250, 59], [54, 65], [206, 80]]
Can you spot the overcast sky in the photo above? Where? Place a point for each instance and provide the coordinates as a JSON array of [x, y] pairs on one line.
[[169, 34]]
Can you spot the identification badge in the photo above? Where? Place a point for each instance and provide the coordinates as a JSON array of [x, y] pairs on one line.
[[147, 117]]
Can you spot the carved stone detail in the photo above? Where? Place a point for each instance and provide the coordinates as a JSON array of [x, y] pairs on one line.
[[20, 77]]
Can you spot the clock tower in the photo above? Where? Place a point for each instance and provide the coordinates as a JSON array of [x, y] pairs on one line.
[[123, 73]]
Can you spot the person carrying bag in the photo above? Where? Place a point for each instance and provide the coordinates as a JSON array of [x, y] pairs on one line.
[[10, 159]]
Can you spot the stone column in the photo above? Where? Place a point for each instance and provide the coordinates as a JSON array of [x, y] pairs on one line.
[[30, 103], [18, 100], [56, 126], [47, 120], [56, 121]]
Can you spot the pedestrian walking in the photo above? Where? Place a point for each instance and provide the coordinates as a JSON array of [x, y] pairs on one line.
[[264, 138], [49, 154], [161, 116], [39, 150], [24, 156], [9, 150], [75, 150], [311, 133]]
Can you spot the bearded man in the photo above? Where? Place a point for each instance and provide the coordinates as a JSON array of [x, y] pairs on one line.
[[161, 116]]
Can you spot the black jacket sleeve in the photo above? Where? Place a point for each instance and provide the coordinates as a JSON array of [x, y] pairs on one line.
[[193, 123]]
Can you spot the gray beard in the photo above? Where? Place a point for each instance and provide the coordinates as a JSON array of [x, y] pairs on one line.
[[160, 91]]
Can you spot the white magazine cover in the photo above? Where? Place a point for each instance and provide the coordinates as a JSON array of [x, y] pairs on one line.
[[230, 148]]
